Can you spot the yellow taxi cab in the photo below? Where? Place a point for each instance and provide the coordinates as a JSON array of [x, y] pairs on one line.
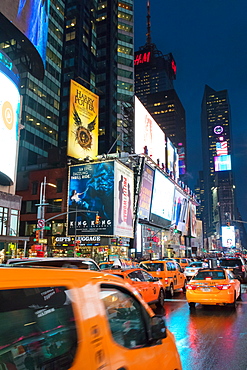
[[120, 262], [149, 287], [60, 318], [169, 272], [184, 262], [213, 286]]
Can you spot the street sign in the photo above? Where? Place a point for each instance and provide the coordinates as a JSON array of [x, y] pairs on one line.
[[43, 241], [47, 228], [41, 223]]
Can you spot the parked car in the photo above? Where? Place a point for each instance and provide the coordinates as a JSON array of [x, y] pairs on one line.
[[193, 267], [169, 272], [236, 265], [70, 262], [213, 286], [150, 288], [81, 320]]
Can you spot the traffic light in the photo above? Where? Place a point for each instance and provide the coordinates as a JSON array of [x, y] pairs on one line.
[[97, 219], [36, 239]]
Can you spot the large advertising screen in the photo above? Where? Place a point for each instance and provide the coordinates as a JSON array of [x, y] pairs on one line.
[[149, 138], [180, 211], [228, 237], [29, 18], [83, 122], [222, 163], [193, 220], [172, 159], [162, 199], [145, 192], [91, 192], [9, 116], [123, 201]]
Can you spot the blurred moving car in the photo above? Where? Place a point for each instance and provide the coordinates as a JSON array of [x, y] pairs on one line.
[[81, 320], [184, 262], [149, 287], [236, 265], [193, 267], [169, 272], [213, 286], [65, 262], [118, 262]]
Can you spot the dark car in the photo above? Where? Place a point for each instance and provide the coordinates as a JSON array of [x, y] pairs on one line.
[[236, 265]]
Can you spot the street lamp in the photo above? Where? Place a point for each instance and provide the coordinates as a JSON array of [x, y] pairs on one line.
[[41, 207]]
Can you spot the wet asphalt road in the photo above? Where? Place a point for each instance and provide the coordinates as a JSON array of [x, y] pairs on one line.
[[211, 337]]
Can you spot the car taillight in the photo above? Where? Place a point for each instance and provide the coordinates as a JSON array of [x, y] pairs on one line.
[[191, 287], [243, 269], [223, 286], [166, 281]]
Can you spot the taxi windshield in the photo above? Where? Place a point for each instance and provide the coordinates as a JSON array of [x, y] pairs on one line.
[[156, 266], [214, 275]]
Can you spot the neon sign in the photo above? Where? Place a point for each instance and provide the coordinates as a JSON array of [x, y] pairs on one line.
[[218, 130], [174, 67], [142, 58]]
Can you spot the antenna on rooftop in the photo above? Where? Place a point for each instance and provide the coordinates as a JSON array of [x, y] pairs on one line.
[[148, 34]]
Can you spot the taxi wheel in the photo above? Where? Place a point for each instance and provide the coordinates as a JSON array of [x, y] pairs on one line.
[[233, 305], [171, 291], [192, 305], [184, 287], [161, 298]]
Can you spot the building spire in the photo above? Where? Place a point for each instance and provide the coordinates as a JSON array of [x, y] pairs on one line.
[[148, 34]]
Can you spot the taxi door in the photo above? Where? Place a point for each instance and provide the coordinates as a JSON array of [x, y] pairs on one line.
[[139, 283], [127, 334], [180, 276], [153, 290]]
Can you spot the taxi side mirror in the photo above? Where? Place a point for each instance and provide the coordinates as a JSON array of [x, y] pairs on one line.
[[158, 328]]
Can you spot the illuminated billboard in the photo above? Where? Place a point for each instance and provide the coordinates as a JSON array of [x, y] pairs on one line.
[[104, 189], [221, 148], [83, 122], [29, 19], [180, 211], [123, 201], [145, 192], [149, 138], [228, 237], [172, 159], [162, 199], [9, 116], [192, 220], [91, 192], [222, 163]]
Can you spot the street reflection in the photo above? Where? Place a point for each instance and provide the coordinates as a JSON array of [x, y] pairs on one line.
[[211, 337]]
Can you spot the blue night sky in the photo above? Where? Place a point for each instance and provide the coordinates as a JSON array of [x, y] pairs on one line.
[[208, 39]]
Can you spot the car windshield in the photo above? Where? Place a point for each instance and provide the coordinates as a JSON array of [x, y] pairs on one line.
[[209, 274], [230, 262], [105, 266], [195, 264], [156, 266]]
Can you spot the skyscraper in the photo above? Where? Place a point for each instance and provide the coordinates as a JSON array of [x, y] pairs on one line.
[[154, 76], [219, 194]]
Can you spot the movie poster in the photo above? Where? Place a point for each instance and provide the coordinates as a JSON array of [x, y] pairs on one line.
[[123, 201], [91, 193], [83, 122]]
